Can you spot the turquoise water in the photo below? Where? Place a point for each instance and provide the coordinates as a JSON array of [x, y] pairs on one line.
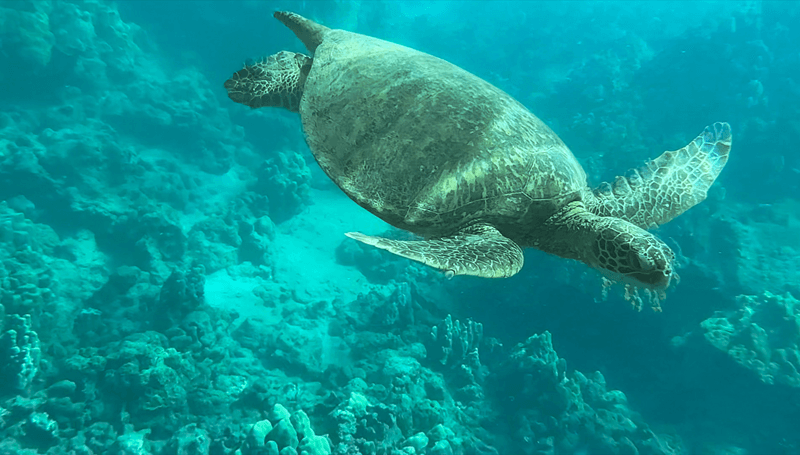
[[175, 278]]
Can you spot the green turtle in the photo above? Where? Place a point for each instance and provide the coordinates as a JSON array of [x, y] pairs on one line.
[[433, 149]]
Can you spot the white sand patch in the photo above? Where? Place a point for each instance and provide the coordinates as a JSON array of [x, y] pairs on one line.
[[229, 292], [304, 261], [219, 191], [306, 245]]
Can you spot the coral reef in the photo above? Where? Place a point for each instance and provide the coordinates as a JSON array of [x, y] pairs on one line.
[[762, 336], [554, 411], [285, 179], [143, 308]]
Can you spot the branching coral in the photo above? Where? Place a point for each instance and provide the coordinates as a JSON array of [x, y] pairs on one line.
[[19, 354]]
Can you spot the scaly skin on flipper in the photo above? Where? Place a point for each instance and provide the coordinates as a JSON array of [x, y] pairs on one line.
[[668, 185], [479, 250], [276, 81], [621, 251]]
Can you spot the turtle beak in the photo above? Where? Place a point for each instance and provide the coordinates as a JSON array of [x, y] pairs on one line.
[[655, 268], [654, 279]]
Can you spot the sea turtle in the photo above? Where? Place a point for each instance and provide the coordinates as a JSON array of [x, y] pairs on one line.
[[433, 149]]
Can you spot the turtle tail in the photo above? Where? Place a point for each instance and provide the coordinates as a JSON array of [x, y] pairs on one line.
[[308, 31]]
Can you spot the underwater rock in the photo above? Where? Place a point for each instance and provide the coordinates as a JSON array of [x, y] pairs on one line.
[[384, 307], [152, 379], [29, 274], [128, 297], [560, 412], [314, 445], [181, 294], [441, 448], [440, 433], [42, 428], [63, 404], [762, 336], [99, 437], [291, 434], [190, 440], [256, 437], [418, 442], [278, 413], [302, 425], [29, 28], [285, 180], [214, 244], [132, 443], [346, 427], [257, 238], [284, 434], [748, 249]]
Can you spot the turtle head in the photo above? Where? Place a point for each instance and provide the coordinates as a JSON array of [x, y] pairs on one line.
[[626, 253]]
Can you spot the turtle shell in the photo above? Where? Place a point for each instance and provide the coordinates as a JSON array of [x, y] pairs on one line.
[[427, 146]]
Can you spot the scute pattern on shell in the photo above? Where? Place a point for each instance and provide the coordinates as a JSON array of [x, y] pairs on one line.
[[427, 146]]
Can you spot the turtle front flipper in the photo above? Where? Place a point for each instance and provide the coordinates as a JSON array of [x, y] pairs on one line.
[[276, 81], [479, 250], [669, 185]]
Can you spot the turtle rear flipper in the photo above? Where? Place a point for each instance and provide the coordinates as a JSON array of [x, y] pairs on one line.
[[669, 185], [276, 81], [308, 31], [478, 250]]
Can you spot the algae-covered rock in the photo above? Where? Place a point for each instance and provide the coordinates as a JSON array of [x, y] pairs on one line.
[[314, 445], [278, 413], [357, 404], [271, 448], [42, 427], [256, 437], [562, 412], [442, 448], [440, 433], [132, 443], [284, 434], [419, 441], [190, 440], [285, 180], [100, 437], [762, 335], [302, 424], [28, 30]]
